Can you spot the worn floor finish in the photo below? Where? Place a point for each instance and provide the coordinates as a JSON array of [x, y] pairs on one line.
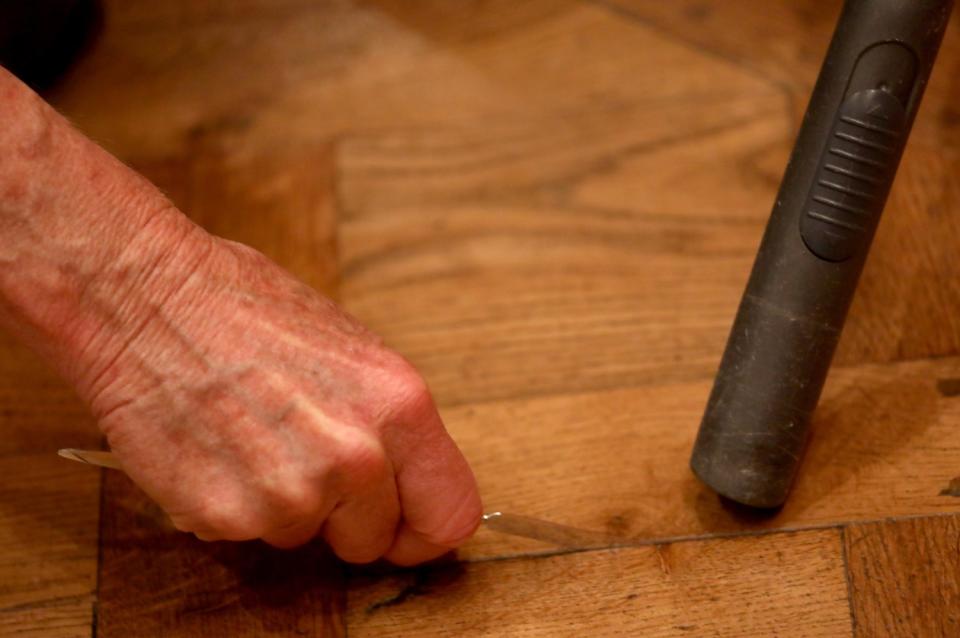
[[551, 208]]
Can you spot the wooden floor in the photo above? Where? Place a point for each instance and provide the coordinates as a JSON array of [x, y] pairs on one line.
[[550, 207]]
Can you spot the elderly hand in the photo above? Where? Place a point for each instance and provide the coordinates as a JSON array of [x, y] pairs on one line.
[[244, 403]]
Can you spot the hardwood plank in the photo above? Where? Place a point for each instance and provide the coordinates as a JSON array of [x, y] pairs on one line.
[[484, 249], [48, 507], [449, 21], [911, 283], [479, 249], [280, 203], [155, 581], [497, 299], [48, 546], [153, 85], [528, 294], [615, 462], [541, 304], [779, 585], [212, 70], [69, 618], [906, 302], [903, 577], [784, 43], [555, 161], [341, 52]]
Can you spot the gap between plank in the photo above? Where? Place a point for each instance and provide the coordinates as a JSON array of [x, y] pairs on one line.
[[849, 579], [689, 538]]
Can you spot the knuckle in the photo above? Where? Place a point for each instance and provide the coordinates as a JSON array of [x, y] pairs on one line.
[[224, 521], [292, 500], [408, 392], [362, 459]]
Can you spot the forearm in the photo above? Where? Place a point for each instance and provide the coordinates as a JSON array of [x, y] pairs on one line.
[[87, 247]]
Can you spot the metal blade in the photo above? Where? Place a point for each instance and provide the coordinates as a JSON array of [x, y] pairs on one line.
[[504, 523], [545, 531], [91, 457]]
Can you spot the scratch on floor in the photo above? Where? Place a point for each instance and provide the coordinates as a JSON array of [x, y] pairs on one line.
[[416, 588], [952, 489], [664, 565], [948, 387], [209, 609], [425, 580]]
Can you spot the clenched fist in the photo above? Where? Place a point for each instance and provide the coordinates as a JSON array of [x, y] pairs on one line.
[[244, 403]]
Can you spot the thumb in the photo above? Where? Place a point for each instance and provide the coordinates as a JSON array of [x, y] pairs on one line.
[[438, 493]]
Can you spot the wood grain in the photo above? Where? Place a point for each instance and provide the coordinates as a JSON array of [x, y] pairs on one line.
[[904, 307], [352, 67], [763, 42], [781, 585], [766, 44], [531, 295], [209, 68], [511, 256], [615, 462], [280, 203], [903, 576], [155, 581], [48, 507], [497, 299]]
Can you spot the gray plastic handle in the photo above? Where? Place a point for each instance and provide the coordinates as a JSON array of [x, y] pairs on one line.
[[755, 425]]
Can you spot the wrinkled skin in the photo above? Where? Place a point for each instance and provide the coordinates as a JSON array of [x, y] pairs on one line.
[[246, 404], [251, 407]]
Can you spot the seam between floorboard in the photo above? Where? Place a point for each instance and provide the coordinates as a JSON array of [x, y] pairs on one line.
[[44, 604], [848, 578], [95, 608], [719, 536], [786, 89]]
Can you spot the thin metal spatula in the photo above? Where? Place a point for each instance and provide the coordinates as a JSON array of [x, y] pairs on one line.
[[504, 523], [91, 457], [548, 532]]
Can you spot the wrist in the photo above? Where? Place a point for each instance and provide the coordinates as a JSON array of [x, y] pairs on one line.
[[82, 309], [89, 249], [132, 312]]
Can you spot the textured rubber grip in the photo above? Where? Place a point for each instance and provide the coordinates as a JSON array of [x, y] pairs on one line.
[[854, 175]]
